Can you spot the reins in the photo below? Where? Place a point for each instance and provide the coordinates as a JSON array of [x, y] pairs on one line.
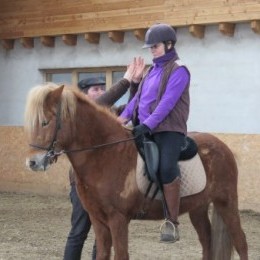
[[86, 149], [52, 155]]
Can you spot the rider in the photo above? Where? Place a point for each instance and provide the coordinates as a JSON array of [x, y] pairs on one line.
[[94, 88], [160, 109]]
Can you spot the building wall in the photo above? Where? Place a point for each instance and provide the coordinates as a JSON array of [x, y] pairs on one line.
[[15, 177], [224, 84], [225, 95]]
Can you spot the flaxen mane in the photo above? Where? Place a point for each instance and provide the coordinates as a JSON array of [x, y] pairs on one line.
[[34, 110], [35, 104]]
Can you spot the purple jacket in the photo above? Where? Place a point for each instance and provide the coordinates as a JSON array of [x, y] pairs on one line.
[[156, 100]]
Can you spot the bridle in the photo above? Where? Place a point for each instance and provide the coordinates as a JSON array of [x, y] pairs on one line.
[[52, 155]]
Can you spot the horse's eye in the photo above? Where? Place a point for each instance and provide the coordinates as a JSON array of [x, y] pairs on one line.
[[45, 123]]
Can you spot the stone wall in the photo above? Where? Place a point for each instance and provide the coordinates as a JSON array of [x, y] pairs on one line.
[[15, 177]]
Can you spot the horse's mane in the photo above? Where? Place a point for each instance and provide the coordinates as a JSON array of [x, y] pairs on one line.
[[34, 113]]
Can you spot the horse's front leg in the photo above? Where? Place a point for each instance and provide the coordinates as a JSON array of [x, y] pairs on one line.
[[119, 230], [103, 240]]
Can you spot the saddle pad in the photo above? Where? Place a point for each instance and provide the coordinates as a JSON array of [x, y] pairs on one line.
[[193, 177]]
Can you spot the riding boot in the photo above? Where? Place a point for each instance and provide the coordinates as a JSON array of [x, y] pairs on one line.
[[169, 229]]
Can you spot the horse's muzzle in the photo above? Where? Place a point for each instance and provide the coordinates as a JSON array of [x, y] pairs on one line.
[[39, 162]]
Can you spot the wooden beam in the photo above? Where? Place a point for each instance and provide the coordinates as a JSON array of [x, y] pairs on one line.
[[69, 39], [8, 44], [197, 31], [105, 16], [255, 26], [227, 29], [27, 42], [116, 36], [48, 41], [92, 37], [140, 34]]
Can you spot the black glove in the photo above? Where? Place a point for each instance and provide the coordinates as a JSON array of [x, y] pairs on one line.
[[140, 130]]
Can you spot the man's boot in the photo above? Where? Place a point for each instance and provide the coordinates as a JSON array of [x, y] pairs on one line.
[[169, 229]]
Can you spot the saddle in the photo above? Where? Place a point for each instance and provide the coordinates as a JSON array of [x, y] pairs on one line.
[[150, 154]]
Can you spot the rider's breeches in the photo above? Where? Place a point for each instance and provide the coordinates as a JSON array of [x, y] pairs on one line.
[[169, 145]]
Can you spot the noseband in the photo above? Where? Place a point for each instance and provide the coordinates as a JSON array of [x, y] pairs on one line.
[[52, 155]]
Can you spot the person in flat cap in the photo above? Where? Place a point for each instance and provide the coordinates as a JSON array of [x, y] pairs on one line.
[[94, 88]]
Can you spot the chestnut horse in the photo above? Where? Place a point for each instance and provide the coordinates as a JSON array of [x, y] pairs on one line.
[[104, 156]]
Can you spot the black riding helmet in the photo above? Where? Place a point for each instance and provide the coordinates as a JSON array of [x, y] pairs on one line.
[[159, 33]]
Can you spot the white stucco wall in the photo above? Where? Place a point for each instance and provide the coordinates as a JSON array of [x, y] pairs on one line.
[[225, 85]]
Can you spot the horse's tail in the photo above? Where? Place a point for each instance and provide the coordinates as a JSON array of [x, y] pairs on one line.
[[221, 244]]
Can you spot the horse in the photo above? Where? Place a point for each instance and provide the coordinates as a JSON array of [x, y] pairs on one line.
[[60, 120]]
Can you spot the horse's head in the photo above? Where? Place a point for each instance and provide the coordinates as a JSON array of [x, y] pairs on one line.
[[59, 120], [47, 110]]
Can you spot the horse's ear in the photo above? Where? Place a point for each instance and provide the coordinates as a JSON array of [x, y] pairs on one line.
[[57, 92], [54, 97]]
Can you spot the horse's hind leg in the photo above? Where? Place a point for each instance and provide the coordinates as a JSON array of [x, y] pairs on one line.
[[229, 213], [200, 220]]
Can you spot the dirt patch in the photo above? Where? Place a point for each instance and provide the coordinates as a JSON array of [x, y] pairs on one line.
[[35, 227]]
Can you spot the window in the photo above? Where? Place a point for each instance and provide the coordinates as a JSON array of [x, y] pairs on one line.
[[73, 76], [61, 78]]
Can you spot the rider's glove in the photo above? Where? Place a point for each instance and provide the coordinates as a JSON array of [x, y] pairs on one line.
[[141, 130]]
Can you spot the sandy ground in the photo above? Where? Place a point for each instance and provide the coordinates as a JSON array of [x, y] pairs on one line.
[[35, 228]]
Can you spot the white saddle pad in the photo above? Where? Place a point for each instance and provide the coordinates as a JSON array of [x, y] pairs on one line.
[[193, 177]]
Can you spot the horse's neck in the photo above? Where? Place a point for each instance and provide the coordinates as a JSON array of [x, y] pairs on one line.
[[92, 128], [96, 125]]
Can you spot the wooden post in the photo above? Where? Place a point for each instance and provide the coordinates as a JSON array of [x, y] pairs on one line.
[[27, 42], [48, 41], [69, 39], [255, 26], [197, 31], [92, 37], [8, 44], [140, 34], [227, 29], [116, 36]]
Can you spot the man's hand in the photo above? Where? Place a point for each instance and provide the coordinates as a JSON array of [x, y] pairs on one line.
[[139, 70], [140, 130], [130, 71], [135, 70]]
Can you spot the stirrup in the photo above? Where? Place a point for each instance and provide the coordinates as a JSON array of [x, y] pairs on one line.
[[169, 232]]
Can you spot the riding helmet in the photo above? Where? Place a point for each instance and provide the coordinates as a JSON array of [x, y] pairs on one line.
[[159, 33]]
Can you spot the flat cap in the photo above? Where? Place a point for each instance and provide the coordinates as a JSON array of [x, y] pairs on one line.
[[89, 82]]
